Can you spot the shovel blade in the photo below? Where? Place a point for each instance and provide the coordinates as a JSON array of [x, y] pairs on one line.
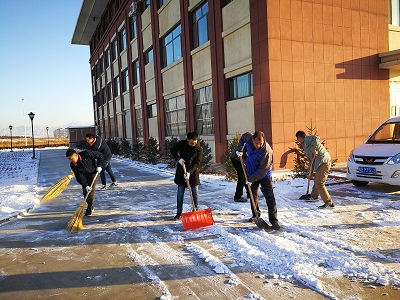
[[197, 219], [261, 224]]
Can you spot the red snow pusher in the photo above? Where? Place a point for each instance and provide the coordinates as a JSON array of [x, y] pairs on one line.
[[197, 218]]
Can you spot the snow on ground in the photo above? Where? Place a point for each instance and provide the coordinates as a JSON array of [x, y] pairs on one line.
[[314, 245]]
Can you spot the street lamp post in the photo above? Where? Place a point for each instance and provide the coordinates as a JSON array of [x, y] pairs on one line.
[[11, 136], [31, 116], [48, 142]]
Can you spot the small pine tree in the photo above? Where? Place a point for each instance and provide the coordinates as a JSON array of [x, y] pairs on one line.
[[231, 173], [113, 145], [137, 150], [207, 157], [152, 151], [169, 143], [301, 163], [125, 148]]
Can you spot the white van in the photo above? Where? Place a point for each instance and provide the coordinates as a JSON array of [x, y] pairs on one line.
[[378, 160]]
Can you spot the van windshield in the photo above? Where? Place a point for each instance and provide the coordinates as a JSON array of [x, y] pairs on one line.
[[388, 133]]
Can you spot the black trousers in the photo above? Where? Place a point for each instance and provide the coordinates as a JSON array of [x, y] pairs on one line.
[[268, 192], [90, 198], [241, 182]]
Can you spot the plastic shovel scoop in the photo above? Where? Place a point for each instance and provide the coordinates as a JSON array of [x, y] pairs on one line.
[[197, 218]]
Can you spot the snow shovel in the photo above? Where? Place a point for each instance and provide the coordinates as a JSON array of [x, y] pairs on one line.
[[258, 220], [75, 224], [57, 188], [197, 218], [307, 195]]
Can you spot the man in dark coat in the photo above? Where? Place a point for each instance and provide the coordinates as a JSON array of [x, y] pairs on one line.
[[86, 165], [98, 144], [258, 162], [241, 180], [189, 153]]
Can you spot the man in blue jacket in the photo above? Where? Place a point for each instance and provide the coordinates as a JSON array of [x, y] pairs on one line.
[[258, 154]]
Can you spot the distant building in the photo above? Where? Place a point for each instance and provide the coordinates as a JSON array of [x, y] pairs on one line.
[[78, 133], [61, 133], [220, 67]]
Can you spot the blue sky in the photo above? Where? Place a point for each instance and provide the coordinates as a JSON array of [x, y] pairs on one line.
[[40, 65]]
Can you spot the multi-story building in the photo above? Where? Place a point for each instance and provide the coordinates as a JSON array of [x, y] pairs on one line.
[[220, 67]]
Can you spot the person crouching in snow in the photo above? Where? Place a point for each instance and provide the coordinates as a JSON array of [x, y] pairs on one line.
[[189, 153], [258, 154], [85, 165]]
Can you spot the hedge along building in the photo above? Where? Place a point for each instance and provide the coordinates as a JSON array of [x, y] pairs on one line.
[[163, 68]]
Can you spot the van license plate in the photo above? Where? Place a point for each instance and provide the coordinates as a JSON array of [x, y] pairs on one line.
[[367, 170]]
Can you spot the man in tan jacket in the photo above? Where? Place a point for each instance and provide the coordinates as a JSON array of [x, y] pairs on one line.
[[314, 150]]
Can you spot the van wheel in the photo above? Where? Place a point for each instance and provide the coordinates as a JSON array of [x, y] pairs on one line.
[[359, 183]]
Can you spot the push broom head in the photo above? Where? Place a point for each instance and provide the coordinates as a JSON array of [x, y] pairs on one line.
[[75, 224], [57, 188]]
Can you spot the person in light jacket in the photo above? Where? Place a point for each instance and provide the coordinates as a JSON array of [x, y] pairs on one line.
[[258, 162], [316, 152], [189, 153]]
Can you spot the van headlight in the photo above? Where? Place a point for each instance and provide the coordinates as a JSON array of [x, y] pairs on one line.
[[394, 160], [351, 157]]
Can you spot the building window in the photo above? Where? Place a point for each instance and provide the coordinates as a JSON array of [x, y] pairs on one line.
[[162, 2], [175, 116], [122, 39], [133, 27], [394, 12], [204, 111], [228, 1], [241, 86], [200, 25], [110, 92], [114, 53], [152, 110], [171, 46], [125, 80], [136, 73], [104, 96], [146, 4], [101, 64], [108, 58], [117, 90], [139, 126], [148, 56]]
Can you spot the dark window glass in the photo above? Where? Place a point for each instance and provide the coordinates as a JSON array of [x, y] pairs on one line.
[[136, 73], [114, 53], [133, 27], [122, 39], [117, 90], [125, 80], [152, 110], [108, 58], [148, 56]]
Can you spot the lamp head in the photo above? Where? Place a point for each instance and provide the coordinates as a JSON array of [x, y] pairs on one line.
[[31, 115], [10, 127]]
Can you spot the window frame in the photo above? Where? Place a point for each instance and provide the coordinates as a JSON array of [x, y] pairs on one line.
[[170, 39], [122, 39], [152, 110], [234, 92], [203, 101], [175, 116], [114, 52], [197, 22], [135, 73], [125, 80], [148, 56], [117, 87]]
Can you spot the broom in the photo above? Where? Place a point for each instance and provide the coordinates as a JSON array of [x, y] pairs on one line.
[[57, 188], [75, 224]]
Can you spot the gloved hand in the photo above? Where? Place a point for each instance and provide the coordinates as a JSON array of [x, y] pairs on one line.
[[181, 161], [88, 189], [248, 182], [98, 169], [239, 153], [186, 176]]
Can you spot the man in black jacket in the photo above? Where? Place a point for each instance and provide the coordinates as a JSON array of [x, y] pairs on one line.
[[98, 144], [86, 165], [189, 153]]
